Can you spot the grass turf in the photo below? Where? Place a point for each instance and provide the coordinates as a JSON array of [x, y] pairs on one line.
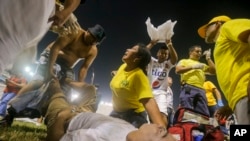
[[23, 131]]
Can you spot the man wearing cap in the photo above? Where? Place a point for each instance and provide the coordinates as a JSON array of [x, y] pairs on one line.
[[67, 50], [231, 55]]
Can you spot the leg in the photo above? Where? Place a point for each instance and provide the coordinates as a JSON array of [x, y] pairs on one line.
[[58, 113], [4, 101], [32, 85]]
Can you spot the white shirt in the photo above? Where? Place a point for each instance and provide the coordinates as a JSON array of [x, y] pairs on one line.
[[158, 74]]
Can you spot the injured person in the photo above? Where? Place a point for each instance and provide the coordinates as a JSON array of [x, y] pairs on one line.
[[70, 123]]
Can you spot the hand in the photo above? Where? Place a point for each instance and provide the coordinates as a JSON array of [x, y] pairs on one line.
[[207, 53], [198, 66], [154, 42], [223, 113], [49, 76], [220, 103], [168, 42], [59, 18]]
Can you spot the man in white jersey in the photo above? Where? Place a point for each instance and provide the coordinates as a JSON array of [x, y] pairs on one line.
[[157, 71]]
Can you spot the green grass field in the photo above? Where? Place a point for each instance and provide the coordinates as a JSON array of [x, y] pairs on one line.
[[23, 131]]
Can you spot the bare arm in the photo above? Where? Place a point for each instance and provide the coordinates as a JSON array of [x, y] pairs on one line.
[[172, 52], [19, 85], [211, 65], [59, 44], [245, 36], [181, 69], [217, 94], [153, 111], [61, 17], [151, 44], [86, 64]]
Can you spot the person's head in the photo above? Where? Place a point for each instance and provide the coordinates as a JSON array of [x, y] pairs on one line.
[[211, 30], [162, 54], [95, 35], [195, 52], [137, 56]]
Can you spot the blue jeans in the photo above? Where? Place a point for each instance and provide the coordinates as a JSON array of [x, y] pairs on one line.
[[4, 101]]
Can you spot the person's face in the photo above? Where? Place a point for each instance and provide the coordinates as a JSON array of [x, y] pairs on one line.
[[196, 53], [162, 55], [211, 32], [130, 54]]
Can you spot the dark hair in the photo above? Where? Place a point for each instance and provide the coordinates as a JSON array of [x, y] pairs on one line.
[[145, 56], [193, 47], [164, 47]]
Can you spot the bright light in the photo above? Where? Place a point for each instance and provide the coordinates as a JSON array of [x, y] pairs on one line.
[[27, 69], [31, 73], [106, 103], [74, 95]]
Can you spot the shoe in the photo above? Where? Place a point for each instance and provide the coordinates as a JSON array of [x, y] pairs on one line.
[[6, 121]]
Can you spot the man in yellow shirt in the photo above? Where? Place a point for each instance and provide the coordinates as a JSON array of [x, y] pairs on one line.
[[231, 55], [212, 102], [192, 73]]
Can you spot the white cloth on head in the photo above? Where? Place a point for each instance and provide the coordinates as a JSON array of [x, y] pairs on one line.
[[23, 24]]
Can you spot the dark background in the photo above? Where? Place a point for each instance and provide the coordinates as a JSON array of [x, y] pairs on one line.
[[124, 23]]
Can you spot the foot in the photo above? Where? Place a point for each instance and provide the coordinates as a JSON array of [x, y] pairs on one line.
[[6, 121]]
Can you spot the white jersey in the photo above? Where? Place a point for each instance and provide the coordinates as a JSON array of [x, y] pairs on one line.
[[158, 74], [164, 99]]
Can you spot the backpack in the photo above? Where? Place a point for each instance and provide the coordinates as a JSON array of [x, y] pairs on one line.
[[187, 123]]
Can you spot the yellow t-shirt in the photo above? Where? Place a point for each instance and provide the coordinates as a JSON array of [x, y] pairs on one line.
[[209, 88], [232, 60], [128, 88], [194, 77]]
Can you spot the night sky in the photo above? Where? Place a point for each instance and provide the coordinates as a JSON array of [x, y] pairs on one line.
[[124, 23]]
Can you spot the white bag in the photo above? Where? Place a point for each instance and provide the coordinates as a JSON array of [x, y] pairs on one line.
[[162, 32]]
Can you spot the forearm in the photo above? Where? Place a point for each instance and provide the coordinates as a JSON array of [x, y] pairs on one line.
[[217, 93], [71, 5], [52, 58], [151, 44], [180, 69], [248, 39], [211, 66], [154, 112], [172, 52], [82, 74]]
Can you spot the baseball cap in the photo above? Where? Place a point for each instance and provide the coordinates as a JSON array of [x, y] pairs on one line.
[[202, 29], [98, 32]]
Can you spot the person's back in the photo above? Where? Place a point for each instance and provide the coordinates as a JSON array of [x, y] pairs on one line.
[[76, 48]]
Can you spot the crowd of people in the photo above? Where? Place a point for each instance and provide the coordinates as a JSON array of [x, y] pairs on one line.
[[142, 97]]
